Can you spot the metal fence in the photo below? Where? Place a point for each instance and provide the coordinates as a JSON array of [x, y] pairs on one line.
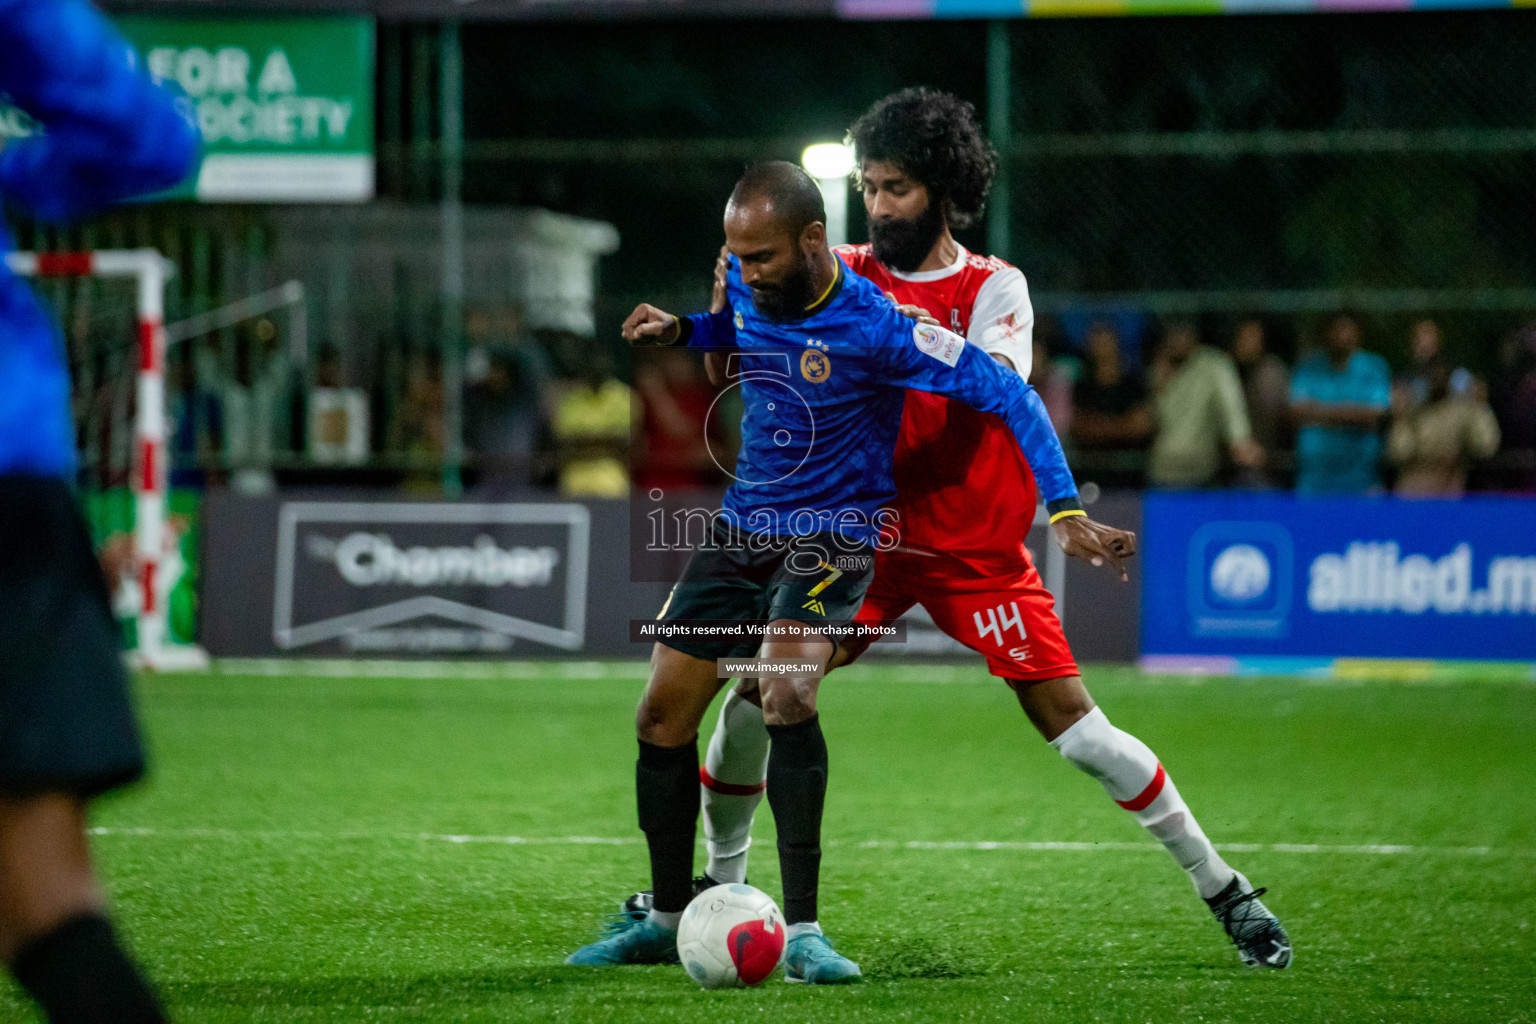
[[1205, 166], [1273, 164]]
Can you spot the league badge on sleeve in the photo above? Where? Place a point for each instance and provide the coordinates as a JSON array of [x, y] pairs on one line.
[[943, 345]]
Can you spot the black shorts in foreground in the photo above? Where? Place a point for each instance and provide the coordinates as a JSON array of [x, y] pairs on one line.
[[66, 719], [816, 579]]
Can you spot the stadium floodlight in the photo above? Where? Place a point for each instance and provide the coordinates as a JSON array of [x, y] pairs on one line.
[[828, 160], [830, 163]]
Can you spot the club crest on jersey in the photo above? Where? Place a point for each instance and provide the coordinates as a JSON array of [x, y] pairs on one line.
[[737, 321], [815, 365], [945, 346]]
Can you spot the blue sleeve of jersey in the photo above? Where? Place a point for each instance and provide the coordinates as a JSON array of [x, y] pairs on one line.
[[109, 133], [710, 330], [967, 374]]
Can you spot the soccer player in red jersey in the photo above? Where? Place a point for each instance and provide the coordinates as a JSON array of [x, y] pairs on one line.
[[966, 499]]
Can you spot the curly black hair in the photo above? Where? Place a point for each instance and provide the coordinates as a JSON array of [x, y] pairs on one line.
[[934, 137]]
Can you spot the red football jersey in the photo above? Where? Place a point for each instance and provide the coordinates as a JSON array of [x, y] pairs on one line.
[[963, 488]]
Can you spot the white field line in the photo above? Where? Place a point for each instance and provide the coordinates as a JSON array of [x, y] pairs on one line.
[[1368, 849]]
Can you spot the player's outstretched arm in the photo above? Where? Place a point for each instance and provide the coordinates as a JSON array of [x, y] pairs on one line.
[[648, 325], [933, 359], [109, 132], [930, 358]]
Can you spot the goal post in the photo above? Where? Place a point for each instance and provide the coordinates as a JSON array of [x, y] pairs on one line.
[[149, 271]]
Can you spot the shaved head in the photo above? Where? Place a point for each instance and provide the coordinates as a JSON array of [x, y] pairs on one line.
[[776, 227], [788, 193]]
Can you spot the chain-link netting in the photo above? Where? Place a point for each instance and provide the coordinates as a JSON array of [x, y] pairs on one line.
[[1276, 154]]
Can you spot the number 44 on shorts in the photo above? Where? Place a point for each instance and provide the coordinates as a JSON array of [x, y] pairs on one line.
[[999, 620]]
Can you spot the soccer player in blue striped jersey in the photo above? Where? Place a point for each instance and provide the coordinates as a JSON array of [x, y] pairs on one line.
[[67, 731], [822, 358]]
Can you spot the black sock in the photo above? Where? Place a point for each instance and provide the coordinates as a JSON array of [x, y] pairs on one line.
[[797, 788], [667, 794], [80, 975]]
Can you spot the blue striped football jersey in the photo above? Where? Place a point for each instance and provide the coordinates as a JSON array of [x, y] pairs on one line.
[[823, 401]]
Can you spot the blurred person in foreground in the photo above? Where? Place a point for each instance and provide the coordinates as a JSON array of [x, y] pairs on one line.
[[966, 498], [1200, 413], [1339, 397], [1434, 443], [67, 729], [1266, 385]]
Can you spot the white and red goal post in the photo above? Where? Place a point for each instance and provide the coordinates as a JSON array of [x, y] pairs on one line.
[[149, 270]]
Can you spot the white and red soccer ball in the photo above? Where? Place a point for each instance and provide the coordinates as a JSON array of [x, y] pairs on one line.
[[731, 936]]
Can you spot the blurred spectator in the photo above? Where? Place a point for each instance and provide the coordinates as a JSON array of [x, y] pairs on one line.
[[1054, 384], [1426, 346], [1434, 443], [594, 419], [1514, 388], [506, 418], [1338, 399], [256, 400], [1514, 402], [1199, 412], [338, 415], [489, 331], [194, 419], [418, 427], [676, 426], [1266, 384], [1109, 406]]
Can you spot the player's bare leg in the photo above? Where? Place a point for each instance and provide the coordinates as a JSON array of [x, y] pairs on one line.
[[797, 790], [1134, 778], [53, 934], [667, 796], [45, 868]]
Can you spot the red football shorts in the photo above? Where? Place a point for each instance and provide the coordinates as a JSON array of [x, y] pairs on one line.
[[1009, 620]]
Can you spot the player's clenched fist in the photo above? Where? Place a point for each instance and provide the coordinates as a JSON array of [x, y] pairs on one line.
[[648, 325], [1093, 542]]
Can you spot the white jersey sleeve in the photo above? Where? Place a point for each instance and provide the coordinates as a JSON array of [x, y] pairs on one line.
[[1002, 319]]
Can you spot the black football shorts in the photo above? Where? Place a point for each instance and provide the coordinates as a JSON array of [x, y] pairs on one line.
[[817, 579], [66, 718]]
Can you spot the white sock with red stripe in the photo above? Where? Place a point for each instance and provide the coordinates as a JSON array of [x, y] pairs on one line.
[[734, 776], [1133, 777]]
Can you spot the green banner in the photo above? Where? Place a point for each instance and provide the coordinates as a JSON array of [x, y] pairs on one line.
[[285, 103]]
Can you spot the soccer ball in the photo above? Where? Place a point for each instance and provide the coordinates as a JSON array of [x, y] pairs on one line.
[[731, 936]]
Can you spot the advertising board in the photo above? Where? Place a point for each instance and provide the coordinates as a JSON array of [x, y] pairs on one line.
[[1259, 576]]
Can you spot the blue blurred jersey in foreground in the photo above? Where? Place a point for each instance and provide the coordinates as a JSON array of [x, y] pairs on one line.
[[108, 134], [823, 403]]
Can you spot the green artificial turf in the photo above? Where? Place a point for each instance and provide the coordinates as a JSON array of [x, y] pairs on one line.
[[290, 859]]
